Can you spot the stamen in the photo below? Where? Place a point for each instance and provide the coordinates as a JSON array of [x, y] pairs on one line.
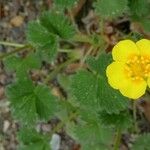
[[138, 68]]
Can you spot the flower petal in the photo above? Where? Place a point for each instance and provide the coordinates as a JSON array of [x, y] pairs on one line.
[[148, 82], [123, 50], [144, 46], [134, 89], [116, 75]]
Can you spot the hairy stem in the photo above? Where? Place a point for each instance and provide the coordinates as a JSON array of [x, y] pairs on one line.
[[57, 70], [14, 51], [117, 139], [11, 44], [60, 125], [134, 117]]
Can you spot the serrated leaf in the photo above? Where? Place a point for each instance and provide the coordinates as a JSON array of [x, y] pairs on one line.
[[11, 63], [32, 140], [57, 24], [45, 103], [22, 65], [62, 4], [94, 93], [109, 99], [64, 82], [93, 136], [99, 65], [146, 24], [142, 142], [109, 8], [30, 103], [139, 8], [83, 87], [122, 120], [43, 40]]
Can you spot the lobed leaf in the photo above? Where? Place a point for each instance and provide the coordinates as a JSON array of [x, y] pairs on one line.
[[122, 120], [94, 93], [110, 9], [142, 142], [57, 24], [62, 4], [32, 140], [93, 136], [30, 103], [22, 65]]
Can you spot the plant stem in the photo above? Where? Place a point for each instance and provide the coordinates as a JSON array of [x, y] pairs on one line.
[[11, 44], [63, 122], [65, 50], [58, 68], [82, 38], [134, 117], [117, 139], [14, 51], [86, 55]]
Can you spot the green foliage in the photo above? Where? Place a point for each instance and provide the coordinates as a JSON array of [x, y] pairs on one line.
[[45, 33], [109, 8], [139, 8], [92, 90], [99, 65], [93, 136], [57, 24], [146, 24], [121, 120], [30, 102], [90, 109], [22, 65], [46, 42], [62, 4], [140, 11], [142, 142], [32, 140]]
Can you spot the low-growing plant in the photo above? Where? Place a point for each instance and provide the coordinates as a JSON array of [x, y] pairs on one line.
[[94, 107]]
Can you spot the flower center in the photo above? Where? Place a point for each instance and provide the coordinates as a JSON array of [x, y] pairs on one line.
[[138, 67]]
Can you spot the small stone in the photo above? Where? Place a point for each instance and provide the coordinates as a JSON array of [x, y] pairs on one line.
[[17, 21], [55, 142], [6, 125], [1, 92]]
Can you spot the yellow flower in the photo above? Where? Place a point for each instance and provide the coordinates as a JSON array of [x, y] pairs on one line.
[[130, 71]]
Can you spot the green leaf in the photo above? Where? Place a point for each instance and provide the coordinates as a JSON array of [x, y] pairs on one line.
[[22, 100], [109, 8], [109, 99], [83, 87], [93, 136], [142, 142], [122, 120], [62, 4], [43, 40], [30, 103], [93, 92], [139, 8], [12, 62], [38, 35], [22, 65], [145, 24], [32, 140], [64, 82], [45, 102], [57, 24], [99, 65]]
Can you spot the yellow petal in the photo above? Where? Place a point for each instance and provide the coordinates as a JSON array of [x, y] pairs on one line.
[[124, 50], [144, 46], [116, 75], [148, 82], [134, 89]]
